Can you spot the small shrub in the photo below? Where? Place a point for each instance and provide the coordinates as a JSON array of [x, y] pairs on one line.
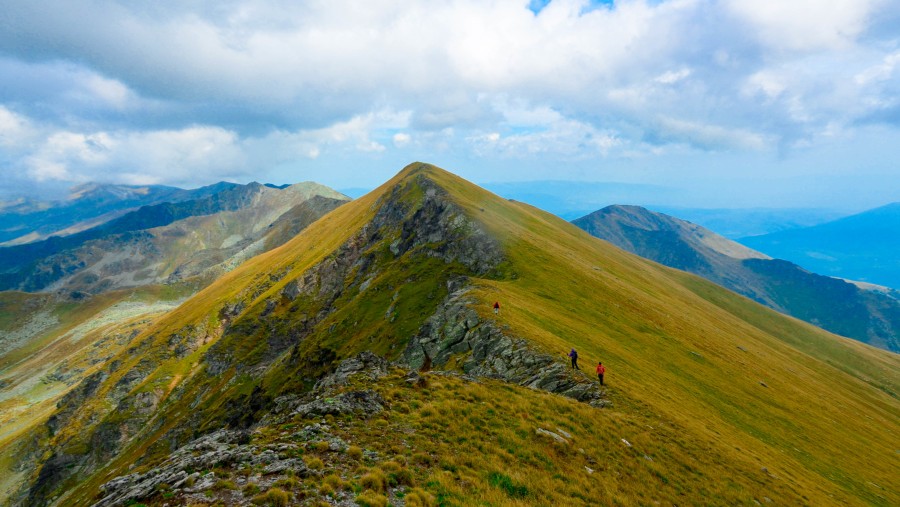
[[355, 452], [374, 480], [250, 489], [321, 446], [287, 483], [326, 489], [335, 482], [390, 466], [315, 463], [371, 499], [421, 458], [224, 484], [401, 477], [419, 498], [274, 497]]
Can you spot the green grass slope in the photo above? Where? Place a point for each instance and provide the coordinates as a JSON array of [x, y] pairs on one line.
[[733, 402]]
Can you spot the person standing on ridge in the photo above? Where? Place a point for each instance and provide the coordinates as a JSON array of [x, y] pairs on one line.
[[574, 356], [600, 371], [497, 307]]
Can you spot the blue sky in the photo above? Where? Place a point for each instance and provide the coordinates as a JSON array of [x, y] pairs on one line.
[[778, 103]]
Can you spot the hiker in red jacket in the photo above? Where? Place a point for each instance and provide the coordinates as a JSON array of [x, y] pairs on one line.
[[600, 371], [496, 306]]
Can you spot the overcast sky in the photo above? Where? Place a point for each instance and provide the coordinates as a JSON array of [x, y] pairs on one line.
[[725, 103]]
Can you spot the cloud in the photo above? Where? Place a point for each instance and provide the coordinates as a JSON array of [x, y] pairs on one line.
[[805, 25], [180, 91], [705, 136], [193, 155], [15, 129], [401, 139]]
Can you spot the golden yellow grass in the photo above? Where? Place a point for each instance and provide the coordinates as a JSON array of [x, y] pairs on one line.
[[819, 411], [730, 401]]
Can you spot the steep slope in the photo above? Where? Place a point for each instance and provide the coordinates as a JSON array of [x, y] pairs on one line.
[[163, 242], [50, 343], [88, 205], [860, 247], [870, 316], [715, 399]]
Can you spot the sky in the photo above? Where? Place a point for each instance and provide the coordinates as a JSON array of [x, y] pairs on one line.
[[730, 103]]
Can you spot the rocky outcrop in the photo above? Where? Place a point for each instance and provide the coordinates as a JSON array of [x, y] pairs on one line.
[[232, 448], [221, 448], [366, 402], [366, 364], [456, 330]]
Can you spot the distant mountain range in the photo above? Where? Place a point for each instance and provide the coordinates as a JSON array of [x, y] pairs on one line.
[[197, 230], [26, 220], [864, 247], [871, 316]]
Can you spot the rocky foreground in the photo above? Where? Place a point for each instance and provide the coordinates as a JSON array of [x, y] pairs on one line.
[[313, 449]]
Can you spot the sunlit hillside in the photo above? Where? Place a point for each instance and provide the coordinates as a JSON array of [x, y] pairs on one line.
[[710, 398]]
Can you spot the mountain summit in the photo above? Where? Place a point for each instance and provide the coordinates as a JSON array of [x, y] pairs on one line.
[[361, 362]]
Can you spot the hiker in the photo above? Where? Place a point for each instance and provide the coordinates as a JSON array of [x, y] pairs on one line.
[[574, 356], [600, 371], [497, 307]]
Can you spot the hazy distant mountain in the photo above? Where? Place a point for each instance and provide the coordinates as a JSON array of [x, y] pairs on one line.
[[871, 316], [168, 241], [572, 199], [26, 220], [741, 222], [863, 247]]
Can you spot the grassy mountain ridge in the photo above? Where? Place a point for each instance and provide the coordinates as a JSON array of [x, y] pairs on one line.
[[728, 393], [835, 305]]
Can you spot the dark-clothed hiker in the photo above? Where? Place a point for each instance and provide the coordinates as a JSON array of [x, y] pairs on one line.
[[496, 306], [600, 371], [574, 356]]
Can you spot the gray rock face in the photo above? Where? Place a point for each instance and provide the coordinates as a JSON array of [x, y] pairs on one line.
[[216, 449], [366, 363], [364, 402], [455, 330]]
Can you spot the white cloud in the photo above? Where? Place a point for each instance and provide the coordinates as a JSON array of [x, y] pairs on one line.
[[672, 77], [193, 155], [710, 137], [184, 91], [109, 91], [805, 25], [401, 139], [880, 72], [14, 129]]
